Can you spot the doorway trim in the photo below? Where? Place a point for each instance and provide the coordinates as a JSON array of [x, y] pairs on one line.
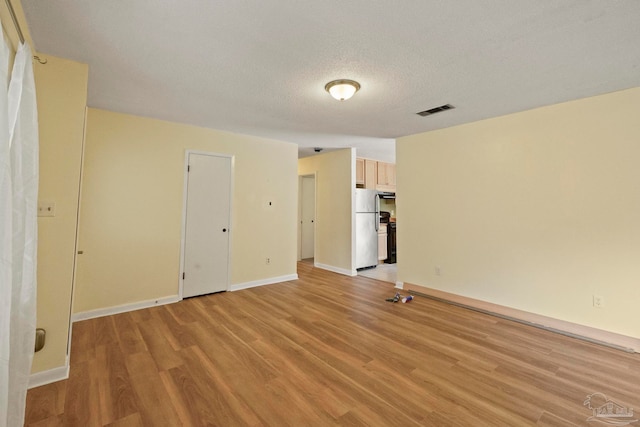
[[183, 225]]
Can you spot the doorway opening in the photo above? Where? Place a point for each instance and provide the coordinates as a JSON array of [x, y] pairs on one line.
[[306, 217]]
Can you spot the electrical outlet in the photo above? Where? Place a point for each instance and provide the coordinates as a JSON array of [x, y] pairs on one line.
[[598, 301], [268, 261]]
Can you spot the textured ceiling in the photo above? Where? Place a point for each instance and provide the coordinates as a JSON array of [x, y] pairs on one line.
[[259, 66]]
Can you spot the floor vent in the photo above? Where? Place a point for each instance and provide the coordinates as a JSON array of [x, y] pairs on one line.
[[436, 110]]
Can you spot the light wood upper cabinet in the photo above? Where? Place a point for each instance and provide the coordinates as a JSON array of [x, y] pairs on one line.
[[386, 177], [391, 175], [366, 173], [360, 172], [374, 175], [370, 174]]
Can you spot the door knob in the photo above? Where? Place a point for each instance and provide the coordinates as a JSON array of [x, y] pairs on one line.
[[224, 230]]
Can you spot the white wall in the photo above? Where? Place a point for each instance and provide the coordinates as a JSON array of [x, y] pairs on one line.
[[537, 211], [61, 89], [335, 185], [131, 211]]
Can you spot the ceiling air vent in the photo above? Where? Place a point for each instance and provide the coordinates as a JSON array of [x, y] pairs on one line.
[[436, 110]]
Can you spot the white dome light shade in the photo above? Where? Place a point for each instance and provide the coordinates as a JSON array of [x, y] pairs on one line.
[[342, 89]]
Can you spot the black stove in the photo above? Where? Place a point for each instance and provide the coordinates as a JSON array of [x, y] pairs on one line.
[[391, 243]]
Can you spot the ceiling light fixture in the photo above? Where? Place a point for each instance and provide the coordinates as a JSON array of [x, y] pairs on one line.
[[342, 89]]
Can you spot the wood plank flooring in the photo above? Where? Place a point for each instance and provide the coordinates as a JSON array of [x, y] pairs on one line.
[[326, 350]]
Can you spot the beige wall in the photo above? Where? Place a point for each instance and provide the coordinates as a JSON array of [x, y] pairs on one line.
[[132, 200], [9, 28], [536, 211], [388, 205], [335, 184], [61, 90]]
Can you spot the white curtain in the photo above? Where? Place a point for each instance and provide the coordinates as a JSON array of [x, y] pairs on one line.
[[18, 244], [5, 233]]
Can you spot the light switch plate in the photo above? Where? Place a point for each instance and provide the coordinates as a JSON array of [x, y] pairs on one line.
[[46, 208]]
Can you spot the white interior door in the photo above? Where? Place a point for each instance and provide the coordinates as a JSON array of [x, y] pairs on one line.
[[308, 212], [207, 219]]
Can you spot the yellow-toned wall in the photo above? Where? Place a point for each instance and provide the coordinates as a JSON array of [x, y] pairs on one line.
[[9, 27], [132, 201], [61, 90], [335, 184], [536, 211], [10, 45], [388, 205]]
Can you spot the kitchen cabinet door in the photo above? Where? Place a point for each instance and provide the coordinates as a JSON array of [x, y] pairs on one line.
[[360, 173], [386, 177], [370, 174], [391, 175], [382, 242]]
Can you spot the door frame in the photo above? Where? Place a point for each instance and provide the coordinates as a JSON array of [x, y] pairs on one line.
[[183, 230], [315, 212]]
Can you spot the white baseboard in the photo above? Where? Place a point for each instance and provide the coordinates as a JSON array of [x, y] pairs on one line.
[[575, 330], [399, 285], [123, 308], [336, 269], [262, 282], [49, 376]]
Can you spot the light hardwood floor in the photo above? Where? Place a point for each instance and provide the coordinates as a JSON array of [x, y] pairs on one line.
[[326, 350]]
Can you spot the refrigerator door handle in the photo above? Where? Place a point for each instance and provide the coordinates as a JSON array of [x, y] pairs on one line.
[[377, 212]]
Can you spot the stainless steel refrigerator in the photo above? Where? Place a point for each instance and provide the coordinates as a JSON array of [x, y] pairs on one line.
[[367, 225]]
